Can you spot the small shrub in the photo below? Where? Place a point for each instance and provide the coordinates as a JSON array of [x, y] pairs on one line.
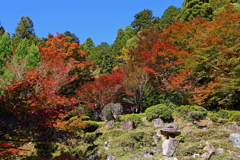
[[228, 123], [108, 115], [223, 114], [182, 111], [159, 111], [214, 118], [85, 118], [45, 149], [131, 117], [223, 121], [235, 116], [199, 109], [73, 118], [117, 124], [190, 113], [195, 116], [180, 138]]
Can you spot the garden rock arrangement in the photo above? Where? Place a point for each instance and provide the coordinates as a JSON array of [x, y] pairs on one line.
[[168, 137], [138, 137]]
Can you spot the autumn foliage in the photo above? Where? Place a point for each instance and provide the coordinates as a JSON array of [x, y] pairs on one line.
[[188, 63]]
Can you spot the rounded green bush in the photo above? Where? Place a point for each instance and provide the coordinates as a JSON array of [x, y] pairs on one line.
[[182, 111], [195, 116], [224, 114], [131, 117], [235, 116], [73, 118], [159, 111], [214, 118], [85, 118], [190, 113]]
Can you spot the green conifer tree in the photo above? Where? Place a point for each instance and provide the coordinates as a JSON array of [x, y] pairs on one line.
[[88, 45], [24, 30], [169, 16], [33, 56], [193, 8], [5, 50], [22, 49], [2, 30]]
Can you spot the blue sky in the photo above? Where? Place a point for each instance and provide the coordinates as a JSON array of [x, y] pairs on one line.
[[98, 19]]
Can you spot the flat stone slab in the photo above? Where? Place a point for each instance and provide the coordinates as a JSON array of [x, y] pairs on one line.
[[170, 132]]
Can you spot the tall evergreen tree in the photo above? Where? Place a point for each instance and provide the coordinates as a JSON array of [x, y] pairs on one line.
[[5, 50], [33, 56], [128, 32], [169, 16], [116, 47], [24, 30], [2, 30], [102, 57], [71, 37], [193, 8], [22, 49], [88, 45], [144, 20]]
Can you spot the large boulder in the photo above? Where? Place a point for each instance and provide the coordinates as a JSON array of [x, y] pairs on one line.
[[115, 108], [128, 125], [169, 146], [157, 122], [109, 124], [232, 127], [210, 151], [235, 138], [110, 156]]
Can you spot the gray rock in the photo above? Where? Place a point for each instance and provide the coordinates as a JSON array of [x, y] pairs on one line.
[[158, 122], [106, 145], [128, 125], [150, 151], [168, 147], [210, 149], [135, 158], [116, 109], [90, 157], [171, 159], [109, 124], [235, 138], [196, 156], [172, 126], [234, 156], [155, 140], [220, 150], [110, 156], [232, 127]]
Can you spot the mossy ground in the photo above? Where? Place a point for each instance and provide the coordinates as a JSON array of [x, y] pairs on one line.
[[125, 144]]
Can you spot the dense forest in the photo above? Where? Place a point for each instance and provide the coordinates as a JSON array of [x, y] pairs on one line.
[[48, 86]]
